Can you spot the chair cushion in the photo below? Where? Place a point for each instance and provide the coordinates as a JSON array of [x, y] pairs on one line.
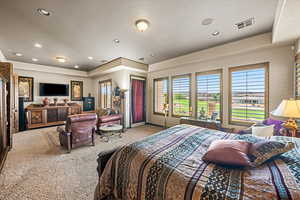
[[262, 151], [229, 152], [110, 118]]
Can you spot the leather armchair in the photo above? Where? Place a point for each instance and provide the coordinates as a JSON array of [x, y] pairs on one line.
[[79, 130]]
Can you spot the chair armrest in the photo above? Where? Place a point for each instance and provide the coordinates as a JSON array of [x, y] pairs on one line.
[[62, 131], [103, 158]]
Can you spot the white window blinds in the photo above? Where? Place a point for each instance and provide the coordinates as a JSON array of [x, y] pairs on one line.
[[209, 95], [181, 100], [160, 88]]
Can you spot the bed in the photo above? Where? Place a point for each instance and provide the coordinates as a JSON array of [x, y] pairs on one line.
[[168, 165]]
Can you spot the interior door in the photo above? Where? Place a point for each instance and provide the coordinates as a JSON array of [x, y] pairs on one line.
[[138, 104]]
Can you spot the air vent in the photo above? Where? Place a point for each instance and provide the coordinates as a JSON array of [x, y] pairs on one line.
[[245, 23]]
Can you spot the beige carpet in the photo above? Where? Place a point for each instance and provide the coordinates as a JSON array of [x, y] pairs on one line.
[[38, 168]]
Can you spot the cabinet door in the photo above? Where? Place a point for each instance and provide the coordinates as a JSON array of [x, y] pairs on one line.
[[62, 114], [36, 117], [52, 115]]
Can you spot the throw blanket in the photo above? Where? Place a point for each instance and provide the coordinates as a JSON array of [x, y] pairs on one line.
[[168, 166]]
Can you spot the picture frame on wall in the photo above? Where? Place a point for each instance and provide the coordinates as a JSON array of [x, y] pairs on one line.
[[76, 90], [26, 88]]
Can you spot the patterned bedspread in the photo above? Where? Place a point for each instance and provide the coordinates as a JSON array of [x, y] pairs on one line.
[[168, 166]]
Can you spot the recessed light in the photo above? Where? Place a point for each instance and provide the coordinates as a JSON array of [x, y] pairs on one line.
[[76, 66], [18, 54], [34, 59], [90, 58], [216, 33], [152, 55], [207, 21], [142, 25], [38, 45], [60, 59], [117, 41], [44, 12]]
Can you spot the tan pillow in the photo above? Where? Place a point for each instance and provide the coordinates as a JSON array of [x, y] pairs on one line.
[[228, 152]]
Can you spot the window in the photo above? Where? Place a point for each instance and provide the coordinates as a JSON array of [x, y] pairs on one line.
[[105, 94], [248, 94], [209, 94], [181, 100], [161, 95]]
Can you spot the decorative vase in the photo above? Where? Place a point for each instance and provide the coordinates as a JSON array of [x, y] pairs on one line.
[[66, 101], [55, 101], [46, 102]]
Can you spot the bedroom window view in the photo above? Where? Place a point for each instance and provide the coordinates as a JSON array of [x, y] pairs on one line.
[[209, 95], [106, 94], [181, 100], [160, 94], [248, 90]]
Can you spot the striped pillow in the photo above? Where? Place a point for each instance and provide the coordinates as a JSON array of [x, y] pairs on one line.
[[262, 151]]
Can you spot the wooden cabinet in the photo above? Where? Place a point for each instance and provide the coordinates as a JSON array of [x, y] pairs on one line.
[[42, 116]]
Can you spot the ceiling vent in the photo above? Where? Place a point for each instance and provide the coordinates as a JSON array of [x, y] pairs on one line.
[[245, 23]]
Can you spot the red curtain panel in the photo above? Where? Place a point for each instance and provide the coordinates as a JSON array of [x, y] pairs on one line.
[[137, 100]]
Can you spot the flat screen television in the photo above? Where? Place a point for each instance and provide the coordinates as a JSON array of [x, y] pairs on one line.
[[51, 89]]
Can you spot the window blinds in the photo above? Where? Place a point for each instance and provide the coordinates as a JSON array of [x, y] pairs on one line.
[[181, 100], [160, 94], [209, 94], [248, 94]]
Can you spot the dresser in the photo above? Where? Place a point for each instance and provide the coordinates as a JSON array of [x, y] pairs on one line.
[[41, 116]]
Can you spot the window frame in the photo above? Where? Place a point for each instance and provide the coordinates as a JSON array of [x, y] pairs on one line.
[[111, 90], [216, 71], [168, 94], [297, 78], [266, 97], [190, 95]]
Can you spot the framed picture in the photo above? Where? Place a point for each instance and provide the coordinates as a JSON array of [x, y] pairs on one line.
[[26, 85], [76, 90]]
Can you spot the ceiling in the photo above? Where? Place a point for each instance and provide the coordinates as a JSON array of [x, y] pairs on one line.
[[286, 26], [78, 29]]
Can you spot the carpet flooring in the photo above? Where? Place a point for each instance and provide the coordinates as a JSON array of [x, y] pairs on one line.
[[38, 168]]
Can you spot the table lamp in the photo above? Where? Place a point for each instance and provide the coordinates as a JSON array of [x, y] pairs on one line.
[[288, 109]]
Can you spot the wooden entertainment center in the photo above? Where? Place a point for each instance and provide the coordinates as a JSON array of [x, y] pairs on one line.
[[38, 115]]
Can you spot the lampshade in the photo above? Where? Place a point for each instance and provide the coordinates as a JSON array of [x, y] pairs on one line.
[[288, 108]]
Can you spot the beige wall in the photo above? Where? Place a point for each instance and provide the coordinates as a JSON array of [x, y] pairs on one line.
[[281, 59], [297, 45], [119, 78], [42, 77], [2, 58]]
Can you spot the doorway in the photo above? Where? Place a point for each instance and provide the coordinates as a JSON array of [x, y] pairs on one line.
[[138, 101]]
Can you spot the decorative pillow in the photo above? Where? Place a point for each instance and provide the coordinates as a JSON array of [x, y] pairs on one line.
[[263, 130], [228, 152], [262, 151]]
